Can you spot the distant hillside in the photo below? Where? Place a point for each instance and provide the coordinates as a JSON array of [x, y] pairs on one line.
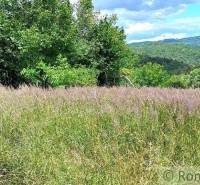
[[175, 57], [192, 41], [181, 53]]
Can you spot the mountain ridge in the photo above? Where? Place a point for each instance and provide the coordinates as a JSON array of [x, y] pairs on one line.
[[192, 41]]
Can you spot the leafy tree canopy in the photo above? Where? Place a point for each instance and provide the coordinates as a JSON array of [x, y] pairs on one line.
[[39, 31]]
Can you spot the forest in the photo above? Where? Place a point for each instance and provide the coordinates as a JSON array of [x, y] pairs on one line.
[[58, 44]]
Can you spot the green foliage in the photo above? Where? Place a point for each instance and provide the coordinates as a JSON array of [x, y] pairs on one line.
[[37, 75], [40, 31], [181, 53], [86, 19], [149, 75], [177, 59], [194, 79], [178, 81], [10, 65], [173, 66], [70, 77], [59, 76], [48, 43], [50, 33], [43, 30], [110, 51]]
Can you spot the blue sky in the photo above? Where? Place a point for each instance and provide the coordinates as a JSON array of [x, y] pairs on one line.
[[154, 19]]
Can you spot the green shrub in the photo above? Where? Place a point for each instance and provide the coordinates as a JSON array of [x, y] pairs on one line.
[[194, 79], [36, 75], [81, 76], [178, 81], [149, 75], [64, 75]]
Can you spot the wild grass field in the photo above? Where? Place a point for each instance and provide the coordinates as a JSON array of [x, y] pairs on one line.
[[96, 136]]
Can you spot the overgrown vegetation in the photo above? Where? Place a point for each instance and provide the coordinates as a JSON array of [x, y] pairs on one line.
[[57, 44], [91, 135], [96, 135]]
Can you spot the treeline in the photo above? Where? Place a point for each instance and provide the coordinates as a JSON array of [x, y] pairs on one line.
[[152, 74], [56, 44], [53, 43], [183, 53], [181, 63]]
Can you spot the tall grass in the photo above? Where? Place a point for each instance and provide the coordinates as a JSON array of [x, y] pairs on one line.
[[96, 136]]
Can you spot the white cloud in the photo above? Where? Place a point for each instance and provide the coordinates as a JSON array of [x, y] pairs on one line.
[[137, 5], [139, 27], [148, 19], [162, 37], [149, 2], [190, 21]]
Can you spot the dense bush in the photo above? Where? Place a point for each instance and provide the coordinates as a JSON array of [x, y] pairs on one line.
[[72, 77], [60, 76], [149, 75], [194, 79], [178, 81]]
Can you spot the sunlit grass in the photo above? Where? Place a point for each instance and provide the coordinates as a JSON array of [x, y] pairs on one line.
[[79, 136]]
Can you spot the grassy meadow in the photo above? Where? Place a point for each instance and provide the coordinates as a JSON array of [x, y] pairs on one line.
[[96, 136]]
